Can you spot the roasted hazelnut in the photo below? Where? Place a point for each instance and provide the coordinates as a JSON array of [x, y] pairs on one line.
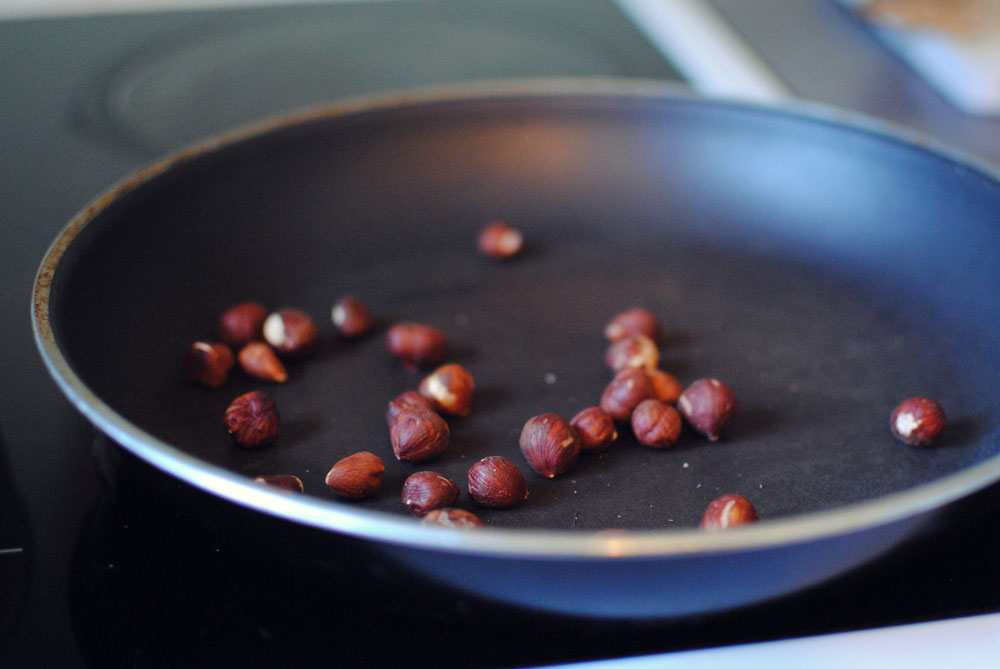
[[918, 421], [418, 435], [595, 429], [410, 399], [728, 511], [500, 240], [283, 481], [656, 424], [426, 491], [634, 350], [242, 324], [291, 332], [208, 363], [496, 482], [629, 387], [259, 361], [632, 321], [666, 387], [415, 344], [449, 388], [708, 406], [253, 419], [351, 317], [549, 444], [457, 518], [356, 476]]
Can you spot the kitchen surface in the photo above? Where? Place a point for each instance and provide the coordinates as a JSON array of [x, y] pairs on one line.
[[96, 572]]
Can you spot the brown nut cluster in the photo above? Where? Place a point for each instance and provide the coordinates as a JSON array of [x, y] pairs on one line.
[[415, 344], [656, 424], [411, 400], [633, 350], [595, 429], [242, 323], [291, 333], [418, 435], [708, 406], [632, 321], [283, 481], [425, 491], [208, 363], [357, 476], [918, 421], [728, 511], [253, 419], [549, 444], [450, 517], [258, 360], [497, 483], [629, 387], [351, 317], [449, 389], [500, 240]]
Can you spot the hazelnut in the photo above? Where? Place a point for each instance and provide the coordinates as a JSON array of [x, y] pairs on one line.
[[253, 419], [411, 399], [918, 421], [426, 491], [496, 482], [708, 406], [356, 476], [634, 350], [549, 444], [449, 388], [208, 363], [629, 387], [656, 424], [416, 344], [242, 323], [666, 387], [500, 241], [728, 511], [283, 481], [632, 321], [595, 429], [351, 317], [291, 333], [450, 517], [418, 435], [259, 361]]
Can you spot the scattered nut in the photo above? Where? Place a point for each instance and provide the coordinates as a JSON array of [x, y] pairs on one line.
[[656, 424], [632, 321], [595, 429], [728, 511], [456, 518], [549, 444], [208, 363], [629, 387], [411, 399], [633, 350], [666, 387], [496, 482], [418, 435], [356, 476], [426, 491], [449, 388], [283, 481], [708, 406], [253, 419], [291, 333], [242, 324], [499, 240], [918, 421], [416, 344], [259, 361], [351, 317]]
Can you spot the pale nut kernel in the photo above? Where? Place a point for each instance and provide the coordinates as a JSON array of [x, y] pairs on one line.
[[450, 389], [282, 481], [918, 421], [415, 344], [633, 350], [623, 394], [595, 428], [497, 483], [708, 406], [728, 511], [258, 360], [632, 321], [208, 363], [666, 387], [291, 333], [656, 424], [410, 399], [357, 476], [252, 419], [450, 517], [418, 435], [549, 444], [351, 317], [242, 323], [500, 240], [425, 491]]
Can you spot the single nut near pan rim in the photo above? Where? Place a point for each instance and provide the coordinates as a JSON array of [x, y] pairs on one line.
[[728, 511], [425, 491], [357, 476], [208, 363], [252, 419], [496, 482], [417, 435], [549, 444], [452, 517], [918, 421], [287, 482]]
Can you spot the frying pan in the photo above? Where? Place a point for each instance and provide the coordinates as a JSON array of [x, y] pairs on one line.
[[823, 265]]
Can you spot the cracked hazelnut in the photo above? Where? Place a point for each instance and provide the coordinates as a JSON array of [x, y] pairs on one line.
[[666, 387], [918, 421], [634, 350], [357, 476], [449, 388], [496, 482], [351, 317], [457, 518], [549, 444], [500, 240], [291, 332], [426, 491], [595, 429], [208, 363], [629, 387], [656, 424], [410, 399], [728, 511], [632, 321], [416, 344], [242, 323], [708, 406], [253, 419], [283, 481], [259, 361], [418, 435]]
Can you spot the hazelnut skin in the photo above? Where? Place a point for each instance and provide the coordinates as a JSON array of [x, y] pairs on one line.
[[253, 419], [728, 511], [357, 476], [450, 517], [500, 241], [632, 321], [634, 350], [595, 429], [208, 363], [708, 406], [415, 344], [259, 361], [418, 435], [656, 424], [549, 444], [918, 421], [666, 387], [241, 324], [629, 387], [351, 317], [449, 388], [291, 332], [282, 481], [497, 483], [410, 399], [426, 491]]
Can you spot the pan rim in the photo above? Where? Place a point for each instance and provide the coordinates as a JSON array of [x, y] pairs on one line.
[[526, 543]]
